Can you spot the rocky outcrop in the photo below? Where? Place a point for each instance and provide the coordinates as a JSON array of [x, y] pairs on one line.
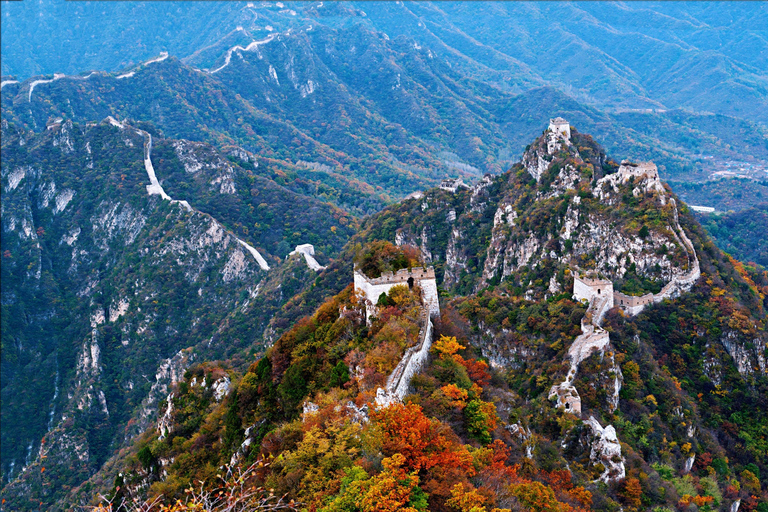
[[606, 451], [747, 361]]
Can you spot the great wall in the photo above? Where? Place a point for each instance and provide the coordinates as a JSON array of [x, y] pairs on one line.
[[415, 357], [600, 295]]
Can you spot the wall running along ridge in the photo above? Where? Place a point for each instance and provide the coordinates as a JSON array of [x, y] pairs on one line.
[[415, 358]]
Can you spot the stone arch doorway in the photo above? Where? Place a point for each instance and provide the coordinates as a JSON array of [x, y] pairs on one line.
[[410, 283]]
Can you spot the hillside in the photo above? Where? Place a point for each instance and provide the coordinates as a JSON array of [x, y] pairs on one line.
[[297, 102], [740, 234], [706, 58], [671, 395], [109, 286]]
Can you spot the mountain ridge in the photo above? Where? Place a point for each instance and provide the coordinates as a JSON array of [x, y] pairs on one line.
[[654, 393]]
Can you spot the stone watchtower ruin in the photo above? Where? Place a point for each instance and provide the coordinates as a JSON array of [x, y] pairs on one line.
[[598, 292], [415, 357], [560, 126], [424, 278]]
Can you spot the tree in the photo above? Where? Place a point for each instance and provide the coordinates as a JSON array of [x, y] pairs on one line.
[[424, 442], [632, 492], [481, 419]]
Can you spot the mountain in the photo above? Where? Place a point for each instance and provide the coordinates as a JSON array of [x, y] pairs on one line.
[[180, 229], [648, 55], [109, 286], [740, 234], [666, 393], [363, 131]]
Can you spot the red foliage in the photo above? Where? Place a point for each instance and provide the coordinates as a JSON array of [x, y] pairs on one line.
[[424, 442], [477, 370]]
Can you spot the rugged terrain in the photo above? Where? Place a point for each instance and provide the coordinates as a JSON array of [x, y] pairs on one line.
[[672, 399], [110, 287], [179, 230], [357, 118]]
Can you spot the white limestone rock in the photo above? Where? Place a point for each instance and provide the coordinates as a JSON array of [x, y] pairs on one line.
[[606, 450]]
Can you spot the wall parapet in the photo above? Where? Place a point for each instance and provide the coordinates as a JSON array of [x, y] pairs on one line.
[[401, 276], [423, 277], [412, 362]]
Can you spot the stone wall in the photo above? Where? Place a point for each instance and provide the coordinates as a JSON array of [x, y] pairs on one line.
[[413, 361], [588, 289], [638, 170], [631, 304], [372, 288], [674, 288]]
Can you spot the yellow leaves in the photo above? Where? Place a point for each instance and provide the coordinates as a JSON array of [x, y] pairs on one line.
[[537, 497], [466, 499], [739, 321], [717, 292], [686, 448], [719, 391], [401, 295], [390, 490], [631, 371], [651, 400], [750, 481], [448, 345]]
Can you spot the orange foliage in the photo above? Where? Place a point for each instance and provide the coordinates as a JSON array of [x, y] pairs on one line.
[[423, 442], [477, 370], [632, 492], [457, 395], [699, 501], [561, 483]]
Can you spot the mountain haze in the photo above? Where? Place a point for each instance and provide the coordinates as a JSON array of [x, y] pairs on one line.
[[206, 208]]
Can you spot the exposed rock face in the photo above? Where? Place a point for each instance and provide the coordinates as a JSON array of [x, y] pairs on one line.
[[221, 388], [606, 450], [135, 279], [455, 260], [748, 362], [197, 157]]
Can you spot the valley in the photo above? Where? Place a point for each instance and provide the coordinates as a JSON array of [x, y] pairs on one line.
[[384, 256]]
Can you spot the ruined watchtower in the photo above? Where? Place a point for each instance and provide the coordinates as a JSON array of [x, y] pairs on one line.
[[598, 292], [424, 278], [629, 169], [587, 289], [452, 185], [560, 126]]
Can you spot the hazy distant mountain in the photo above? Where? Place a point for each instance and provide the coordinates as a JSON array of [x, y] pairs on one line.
[[357, 118], [708, 57]]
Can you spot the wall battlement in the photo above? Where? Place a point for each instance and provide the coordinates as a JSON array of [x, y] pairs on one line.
[[424, 278], [638, 170], [402, 276], [589, 289]]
